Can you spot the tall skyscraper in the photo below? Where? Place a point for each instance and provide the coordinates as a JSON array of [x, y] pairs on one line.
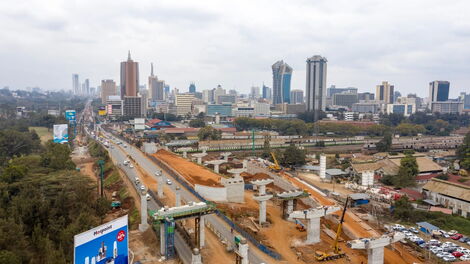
[[296, 97], [384, 92], [86, 87], [129, 77], [267, 92], [254, 94], [156, 87], [108, 88], [439, 91], [75, 84], [316, 83], [192, 88], [282, 74]]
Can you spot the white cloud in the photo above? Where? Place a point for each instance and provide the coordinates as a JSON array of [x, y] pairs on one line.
[[234, 43]]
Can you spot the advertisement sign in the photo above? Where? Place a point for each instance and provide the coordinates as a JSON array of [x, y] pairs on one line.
[[102, 112], [70, 115], [139, 123], [108, 243], [61, 133]]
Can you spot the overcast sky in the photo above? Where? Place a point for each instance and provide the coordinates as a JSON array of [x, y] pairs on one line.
[[234, 43]]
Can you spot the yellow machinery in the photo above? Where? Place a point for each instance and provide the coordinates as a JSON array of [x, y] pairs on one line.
[[337, 252], [275, 166]]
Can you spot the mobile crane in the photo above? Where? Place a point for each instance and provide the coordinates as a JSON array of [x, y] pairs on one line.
[[275, 167], [337, 252]]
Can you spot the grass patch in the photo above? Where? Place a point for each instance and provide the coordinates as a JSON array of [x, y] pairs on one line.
[[43, 133], [134, 217], [123, 194], [112, 179]]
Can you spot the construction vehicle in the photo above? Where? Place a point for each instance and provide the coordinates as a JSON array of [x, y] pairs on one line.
[[337, 253], [299, 225], [275, 167]]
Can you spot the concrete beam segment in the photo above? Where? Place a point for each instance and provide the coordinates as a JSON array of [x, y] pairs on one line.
[[313, 216], [143, 226], [202, 235], [262, 185], [162, 239], [226, 155], [199, 157], [290, 194], [236, 172], [216, 164]]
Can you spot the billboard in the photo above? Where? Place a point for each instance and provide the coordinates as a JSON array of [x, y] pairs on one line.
[[106, 243], [70, 115], [139, 123], [61, 133], [102, 112]]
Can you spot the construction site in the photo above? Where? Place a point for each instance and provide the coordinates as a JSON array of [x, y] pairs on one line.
[[285, 214]]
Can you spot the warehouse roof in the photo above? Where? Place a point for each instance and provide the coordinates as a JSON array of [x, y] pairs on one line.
[[424, 164], [447, 188]]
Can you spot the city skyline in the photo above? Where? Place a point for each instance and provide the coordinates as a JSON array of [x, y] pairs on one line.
[[58, 42]]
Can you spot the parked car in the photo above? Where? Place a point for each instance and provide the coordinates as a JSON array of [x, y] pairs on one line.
[[464, 239], [449, 258], [168, 182], [452, 232], [456, 236], [465, 257], [457, 254], [131, 166], [142, 187], [148, 197]]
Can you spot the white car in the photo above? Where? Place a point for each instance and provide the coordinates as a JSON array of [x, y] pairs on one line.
[[148, 197], [465, 257], [131, 166], [142, 187], [452, 232], [168, 182], [448, 258]]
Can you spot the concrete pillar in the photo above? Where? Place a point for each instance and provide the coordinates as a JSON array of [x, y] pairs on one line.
[[375, 255], [143, 226], [313, 230], [290, 206], [196, 257], [262, 212], [159, 184], [262, 189], [199, 160], [185, 154], [322, 167], [245, 163], [162, 239], [216, 168], [243, 251], [177, 196], [202, 235]]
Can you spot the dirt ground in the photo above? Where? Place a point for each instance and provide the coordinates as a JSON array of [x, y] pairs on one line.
[[315, 179], [192, 172]]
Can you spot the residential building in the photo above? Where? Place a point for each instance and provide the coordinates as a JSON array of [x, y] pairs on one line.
[[296, 97], [405, 109], [208, 96], [332, 90], [133, 106], [108, 88], [345, 99], [255, 92], [439, 91], [192, 88], [75, 84], [349, 116], [366, 96], [384, 92], [221, 109], [465, 98], [447, 107], [225, 99], [129, 77], [291, 109], [316, 83], [282, 74], [184, 103], [267, 92]]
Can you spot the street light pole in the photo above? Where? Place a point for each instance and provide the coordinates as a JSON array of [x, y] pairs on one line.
[[101, 164]]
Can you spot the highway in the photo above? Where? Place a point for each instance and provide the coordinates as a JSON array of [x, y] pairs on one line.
[[255, 256]]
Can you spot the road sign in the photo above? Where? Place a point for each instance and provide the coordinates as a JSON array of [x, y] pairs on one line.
[[108, 243]]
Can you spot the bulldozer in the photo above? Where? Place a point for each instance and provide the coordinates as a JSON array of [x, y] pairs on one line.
[[337, 253], [275, 167]]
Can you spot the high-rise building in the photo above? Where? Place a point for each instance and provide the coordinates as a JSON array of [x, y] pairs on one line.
[[218, 92], [267, 92], [345, 99], [192, 88], [316, 83], [156, 87], [184, 103], [75, 84], [108, 88], [366, 96], [384, 92], [332, 90], [129, 77], [133, 106], [296, 97], [282, 74], [396, 94], [208, 96], [86, 87], [439, 91], [447, 107], [255, 93], [465, 98]]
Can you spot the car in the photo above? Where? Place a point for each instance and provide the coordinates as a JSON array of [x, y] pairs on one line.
[[441, 254], [465, 257], [137, 180], [423, 245], [124, 146], [414, 230], [436, 250], [464, 239], [420, 241], [468, 243], [148, 197], [456, 236], [142, 187], [449, 258], [457, 254], [452, 232], [168, 182], [434, 242], [131, 166]]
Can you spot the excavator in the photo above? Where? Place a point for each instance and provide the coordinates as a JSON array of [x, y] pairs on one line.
[[337, 252], [275, 167]]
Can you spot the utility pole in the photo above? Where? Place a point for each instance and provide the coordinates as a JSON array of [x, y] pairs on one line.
[[253, 141], [101, 164]]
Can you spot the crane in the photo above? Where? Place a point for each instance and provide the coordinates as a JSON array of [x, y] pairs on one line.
[[275, 166], [337, 252]]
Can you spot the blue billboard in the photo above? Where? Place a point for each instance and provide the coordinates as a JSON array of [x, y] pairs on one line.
[[107, 243], [70, 115]]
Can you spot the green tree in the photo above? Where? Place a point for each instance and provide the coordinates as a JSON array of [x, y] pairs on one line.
[[293, 156], [266, 147], [57, 157], [9, 257], [463, 153], [407, 172], [197, 123], [209, 133], [403, 209], [13, 173], [385, 143]]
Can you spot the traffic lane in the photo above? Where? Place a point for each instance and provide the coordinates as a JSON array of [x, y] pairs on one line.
[[215, 221]]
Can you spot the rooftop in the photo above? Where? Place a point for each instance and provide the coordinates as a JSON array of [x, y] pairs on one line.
[[424, 164], [447, 188]]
